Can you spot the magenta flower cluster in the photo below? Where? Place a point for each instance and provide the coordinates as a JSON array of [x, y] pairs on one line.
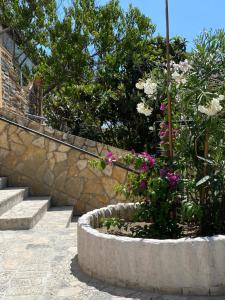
[[110, 158], [173, 178]]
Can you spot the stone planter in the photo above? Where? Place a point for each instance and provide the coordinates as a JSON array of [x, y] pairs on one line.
[[194, 266]]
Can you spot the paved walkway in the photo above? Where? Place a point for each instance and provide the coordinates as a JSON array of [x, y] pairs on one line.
[[41, 264]]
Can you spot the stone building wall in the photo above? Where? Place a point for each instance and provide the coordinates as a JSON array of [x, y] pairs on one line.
[[12, 95], [50, 168]]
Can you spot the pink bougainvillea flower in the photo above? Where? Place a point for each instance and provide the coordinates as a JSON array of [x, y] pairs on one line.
[[149, 158], [162, 107], [110, 158], [173, 179], [143, 184], [162, 133], [163, 172], [144, 167], [163, 125]]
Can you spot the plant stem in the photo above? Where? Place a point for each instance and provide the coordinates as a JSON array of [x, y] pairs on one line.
[[169, 108]]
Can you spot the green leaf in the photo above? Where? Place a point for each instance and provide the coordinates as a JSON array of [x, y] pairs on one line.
[[203, 180]]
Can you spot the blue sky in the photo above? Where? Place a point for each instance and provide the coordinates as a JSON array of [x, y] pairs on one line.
[[187, 17]]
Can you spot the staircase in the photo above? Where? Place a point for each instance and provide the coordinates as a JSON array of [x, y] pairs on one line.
[[19, 211]]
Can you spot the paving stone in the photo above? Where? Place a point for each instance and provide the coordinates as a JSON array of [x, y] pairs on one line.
[[45, 268]]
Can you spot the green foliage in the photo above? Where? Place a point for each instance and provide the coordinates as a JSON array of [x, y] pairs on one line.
[[188, 190], [158, 190], [31, 21], [114, 223], [97, 164], [200, 143], [89, 61]]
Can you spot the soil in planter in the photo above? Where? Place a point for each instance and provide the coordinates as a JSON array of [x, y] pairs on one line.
[[187, 231]]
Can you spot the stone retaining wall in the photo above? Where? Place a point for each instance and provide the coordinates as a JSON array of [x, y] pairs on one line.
[[12, 95], [188, 266], [49, 168]]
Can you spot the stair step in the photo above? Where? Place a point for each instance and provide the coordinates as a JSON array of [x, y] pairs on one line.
[[3, 182], [10, 197], [25, 214], [56, 218]]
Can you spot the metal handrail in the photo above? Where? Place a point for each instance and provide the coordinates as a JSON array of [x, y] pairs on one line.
[[118, 164]]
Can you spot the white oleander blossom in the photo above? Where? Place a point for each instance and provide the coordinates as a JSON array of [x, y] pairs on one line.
[[142, 108], [179, 78], [180, 71], [149, 86], [140, 85], [213, 108]]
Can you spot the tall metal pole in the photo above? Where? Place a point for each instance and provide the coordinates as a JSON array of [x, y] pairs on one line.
[[169, 106]]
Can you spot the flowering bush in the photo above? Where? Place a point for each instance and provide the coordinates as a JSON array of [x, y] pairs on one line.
[[197, 89], [187, 192], [157, 187]]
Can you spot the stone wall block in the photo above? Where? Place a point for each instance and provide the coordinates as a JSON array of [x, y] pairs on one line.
[[3, 127], [52, 146], [79, 141], [60, 181], [90, 143], [14, 138], [109, 186], [4, 140], [18, 149], [119, 174], [26, 138], [92, 187], [82, 164], [63, 148], [49, 177], [108, 171], [74, 186], [60, 156], [39, 142]]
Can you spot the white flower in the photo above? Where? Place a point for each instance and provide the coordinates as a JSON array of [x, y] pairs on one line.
[[221, 97], [143, 109], [184, 66], [140, 85], [175, 75], [213, 108], [150, 87], [179, 78]]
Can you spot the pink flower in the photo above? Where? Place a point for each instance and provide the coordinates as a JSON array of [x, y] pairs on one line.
[[163, 125], [163, 172], [162, 133], [143, 184], [149, 158], [144, 167], [162, 107], [110, 158], [172, 178]]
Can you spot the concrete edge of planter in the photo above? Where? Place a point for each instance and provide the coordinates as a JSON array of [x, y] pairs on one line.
[[86, 222], [194, 266]]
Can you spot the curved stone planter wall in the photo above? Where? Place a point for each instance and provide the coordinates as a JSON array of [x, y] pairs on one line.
[[183, 266]]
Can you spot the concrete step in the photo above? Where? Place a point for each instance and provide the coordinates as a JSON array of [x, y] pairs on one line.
[[3, 182], [10, 197], [25, 214], [56, 218]]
